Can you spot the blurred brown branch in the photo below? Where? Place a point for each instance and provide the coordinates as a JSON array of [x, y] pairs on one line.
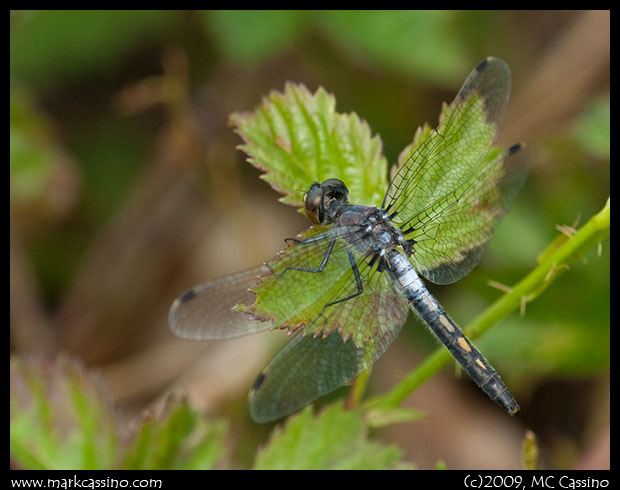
[[561, 79]]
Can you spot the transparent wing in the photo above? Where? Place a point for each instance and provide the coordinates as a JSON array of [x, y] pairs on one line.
[[205, 312], [308, 368], [452, 235], [445, 157], [329, 300], [345, 332], [453, 188]]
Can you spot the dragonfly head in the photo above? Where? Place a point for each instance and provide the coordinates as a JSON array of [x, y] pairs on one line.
[[325, 199]]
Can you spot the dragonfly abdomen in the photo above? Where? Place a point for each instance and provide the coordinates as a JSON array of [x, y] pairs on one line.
[[468, 356]]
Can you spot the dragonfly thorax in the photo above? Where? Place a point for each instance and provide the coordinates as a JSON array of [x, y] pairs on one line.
[[369, 230]]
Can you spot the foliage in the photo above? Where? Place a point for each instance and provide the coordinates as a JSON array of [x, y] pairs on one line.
[[56, 43], [180, 440], [335, 439], [61, 419], [297, 137], [592, 129]]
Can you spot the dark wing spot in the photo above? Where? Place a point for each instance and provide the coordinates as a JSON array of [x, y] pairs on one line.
[[259, 381], [187, 295], [514, 149], [482, 65]]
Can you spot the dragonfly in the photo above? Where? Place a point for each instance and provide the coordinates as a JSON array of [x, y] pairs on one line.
[[362, 265]]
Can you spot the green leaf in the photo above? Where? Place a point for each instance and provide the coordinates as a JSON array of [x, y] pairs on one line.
[[179, 439], [59, 417], [335, 439], [34, 157], [50, 45], [252, 36], [297, 138], [292, 303], [592, 130], [386, 38]]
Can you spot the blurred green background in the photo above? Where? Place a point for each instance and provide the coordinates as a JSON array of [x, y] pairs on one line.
[[127, 188]]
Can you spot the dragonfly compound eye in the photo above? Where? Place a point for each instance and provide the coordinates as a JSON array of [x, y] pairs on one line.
[[313, 202]]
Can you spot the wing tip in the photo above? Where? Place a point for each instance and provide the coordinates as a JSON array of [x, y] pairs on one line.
[[519, 152], [483, 64], [258, 381], [517, 147], [185, 297], [491, 60]]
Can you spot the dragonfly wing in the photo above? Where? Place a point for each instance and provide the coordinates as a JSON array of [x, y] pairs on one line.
[[329, 300], [451, 237], [457, 146], [453, 185], [342, 333], [307, 368], [205, 312], [376, 312]]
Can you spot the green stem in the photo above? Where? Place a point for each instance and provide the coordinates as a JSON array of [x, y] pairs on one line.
[[553, 261], [357, 390]]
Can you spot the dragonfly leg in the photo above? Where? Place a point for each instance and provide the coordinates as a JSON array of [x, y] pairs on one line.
[[358, 283], [306, 241], [321, 267]]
